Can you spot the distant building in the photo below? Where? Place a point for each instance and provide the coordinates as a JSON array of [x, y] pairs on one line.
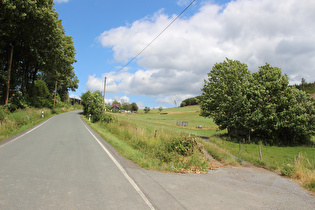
[[115, 107], [75, 101]]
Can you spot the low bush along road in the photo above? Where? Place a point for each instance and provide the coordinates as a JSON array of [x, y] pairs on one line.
[[63, 164]]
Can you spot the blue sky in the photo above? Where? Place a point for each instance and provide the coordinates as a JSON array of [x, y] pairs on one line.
[[108, 33]]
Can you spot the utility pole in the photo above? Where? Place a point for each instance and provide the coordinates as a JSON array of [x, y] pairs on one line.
[[104, 95], [9, 74], [55, 93]]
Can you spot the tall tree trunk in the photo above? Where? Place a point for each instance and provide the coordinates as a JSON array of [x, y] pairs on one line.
[[9, 75], [55, 93]]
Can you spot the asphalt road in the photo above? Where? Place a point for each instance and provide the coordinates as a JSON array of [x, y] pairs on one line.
[[63, 164]]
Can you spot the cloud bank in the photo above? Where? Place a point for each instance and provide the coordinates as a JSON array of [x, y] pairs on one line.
[[280, 32]]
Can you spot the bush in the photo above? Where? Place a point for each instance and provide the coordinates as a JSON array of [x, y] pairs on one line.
[[93, 104], [107, 118], [182, 145], [3, 113]]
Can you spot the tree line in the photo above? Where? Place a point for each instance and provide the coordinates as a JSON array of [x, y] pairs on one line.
[[35, 54], [93, 105], [258, 106], [308, 87]]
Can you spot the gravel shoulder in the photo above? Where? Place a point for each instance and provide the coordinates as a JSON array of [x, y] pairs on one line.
[[224, 188]]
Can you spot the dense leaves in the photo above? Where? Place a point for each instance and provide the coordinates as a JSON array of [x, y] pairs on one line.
[[41, 50], [224, 95], [92, 104], [259, 104], [190, 101]]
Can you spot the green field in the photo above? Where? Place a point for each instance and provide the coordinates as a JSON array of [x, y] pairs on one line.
[[159, 121]]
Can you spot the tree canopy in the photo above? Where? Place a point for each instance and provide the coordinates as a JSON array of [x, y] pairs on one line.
[[92, 104], [259, 104], [190, 101], [32, 32]]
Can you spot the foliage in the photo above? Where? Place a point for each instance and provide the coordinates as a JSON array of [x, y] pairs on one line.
[[182, 145], [160, 109], [41, 96], [125, 106], [261, 104], [41, 50], [107, 118], [190, 101], [224, 96], [134, 107], [146, 109], [92, 104], [280, 114]]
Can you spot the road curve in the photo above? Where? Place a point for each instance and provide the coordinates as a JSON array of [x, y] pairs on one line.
[[63, 164]]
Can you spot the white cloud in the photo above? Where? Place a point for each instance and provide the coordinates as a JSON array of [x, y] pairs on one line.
[[94, 84], [120, 99], [253, 32], [74, 96]]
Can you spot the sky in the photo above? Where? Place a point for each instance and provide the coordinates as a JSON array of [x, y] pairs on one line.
[[107, 34]]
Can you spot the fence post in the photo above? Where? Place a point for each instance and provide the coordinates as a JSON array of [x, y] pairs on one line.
[[260, 153], [297, 159], [240, 148], [155, 133]]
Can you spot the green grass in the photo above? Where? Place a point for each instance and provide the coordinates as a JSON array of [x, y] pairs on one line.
[[167, 151], [154, 120]]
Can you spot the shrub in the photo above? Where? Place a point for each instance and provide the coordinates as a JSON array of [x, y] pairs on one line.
[[3, 113], [182, 145], [107, 118]]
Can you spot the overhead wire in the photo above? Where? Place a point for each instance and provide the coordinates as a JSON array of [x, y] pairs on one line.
[[154, 38]]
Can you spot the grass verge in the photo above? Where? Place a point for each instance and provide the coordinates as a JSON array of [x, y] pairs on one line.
[[297, 163], [164, 151], [21, 120]]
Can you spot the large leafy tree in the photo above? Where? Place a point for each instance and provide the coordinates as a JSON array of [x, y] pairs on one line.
[[92, 104], [134, 107], [280, 114], [224, 95], [261, 103], [41, 49]]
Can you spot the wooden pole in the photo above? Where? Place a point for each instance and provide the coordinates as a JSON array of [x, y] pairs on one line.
[[240, 147], [260, 153], [104, 95], [9, 75], [55, 93]]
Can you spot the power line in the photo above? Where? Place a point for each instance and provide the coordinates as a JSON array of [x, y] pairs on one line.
[[155, 37]]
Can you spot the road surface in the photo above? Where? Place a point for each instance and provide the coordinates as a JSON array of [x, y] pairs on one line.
[[63, 164]]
